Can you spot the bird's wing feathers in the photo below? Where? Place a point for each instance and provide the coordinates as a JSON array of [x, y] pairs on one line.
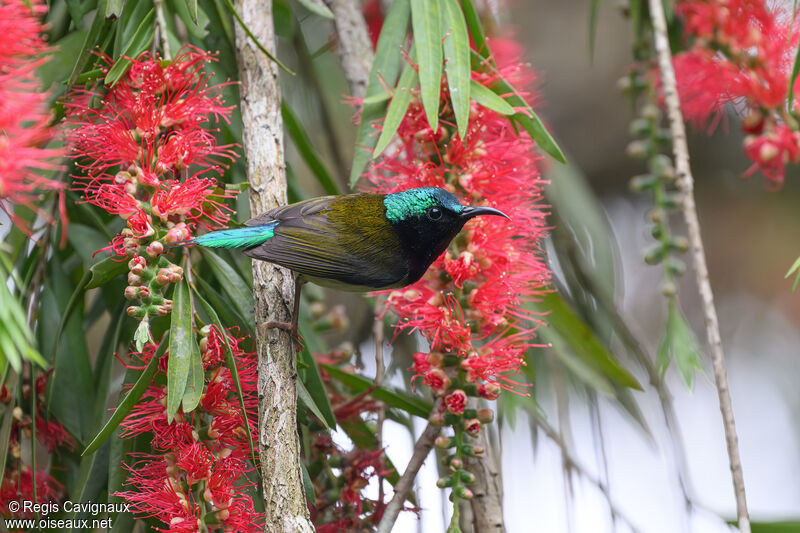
[[345, 239]]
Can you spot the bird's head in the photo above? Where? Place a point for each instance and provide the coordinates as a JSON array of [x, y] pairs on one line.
[[427, 219]]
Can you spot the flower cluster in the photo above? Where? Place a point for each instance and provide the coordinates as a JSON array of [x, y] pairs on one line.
[[136, 150], [195, 479], [24, 116], [740, 52], [145, 154], [18, 478], [473, 304]]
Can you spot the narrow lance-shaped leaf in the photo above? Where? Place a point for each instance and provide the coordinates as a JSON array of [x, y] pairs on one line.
[[312, 380], [230, 362], [181, 338], [679, 344], [125, 406], [317, 7], [457, 65], [385, 67], [397, 109], [195, 380], [139, 42], [426, 22], [413, 405], [191, 5], [306, 399], [489, 100], [303, 144]]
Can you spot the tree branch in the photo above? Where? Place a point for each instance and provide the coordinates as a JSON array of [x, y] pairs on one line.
[[686, 184], [355, 48], [278, 443], [406, 481], [487, 490]]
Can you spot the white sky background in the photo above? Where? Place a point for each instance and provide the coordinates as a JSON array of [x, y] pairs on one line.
[[761, 350]]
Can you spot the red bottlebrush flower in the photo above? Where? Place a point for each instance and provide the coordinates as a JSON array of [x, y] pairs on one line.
[[741, 51], [472, 427], [18, 487], [456, 401], [137, 149], [199, 456], [24, 115]]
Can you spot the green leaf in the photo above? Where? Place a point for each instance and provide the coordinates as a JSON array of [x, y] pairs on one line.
[[308, 485], [113, 11], [593, 12], [195, 381], [411, 404], [397, 108], [489, 99], [139, 43], [529, 120], [457, 65], [104, 271], [305, 398], [182, 341], [191, 5], [233, 285], [312, 380], [303, 144], [5, 432], [385, 68], [475, 29], [230, 362], [129, 401], [788, 526], [426, 22], [794, 269], [583, 343], [679, 344], [317, 7], [252, 36], [97, 31]]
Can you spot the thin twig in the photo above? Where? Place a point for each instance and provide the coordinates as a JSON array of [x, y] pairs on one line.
[[686, 184], [421, 450], [161, 24], [380, 370], [576, 466]]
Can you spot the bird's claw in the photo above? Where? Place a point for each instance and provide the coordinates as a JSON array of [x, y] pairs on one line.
[[292, 329]]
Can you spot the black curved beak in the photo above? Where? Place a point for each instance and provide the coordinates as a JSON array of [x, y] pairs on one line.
[[472, 212]]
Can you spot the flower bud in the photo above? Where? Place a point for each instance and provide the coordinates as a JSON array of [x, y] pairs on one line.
[[444, 482], [436, 419], [443, 442], [456, 401], [136, 311], [472, 427], [466, 476], [133, 279], [131, 292], [680, 244], [486, 416], [669, 289], [456, 465], [637, 149], [155, 249], [462, 492], [650, 112]]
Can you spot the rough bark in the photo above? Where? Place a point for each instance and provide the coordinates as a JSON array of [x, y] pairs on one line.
[[278, 443], [686, 184], [355, 47], [487, 490]]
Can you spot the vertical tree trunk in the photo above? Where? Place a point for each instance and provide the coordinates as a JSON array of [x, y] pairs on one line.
[[278, 443]]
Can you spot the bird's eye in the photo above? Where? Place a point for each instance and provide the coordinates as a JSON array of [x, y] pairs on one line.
[[434, 213]]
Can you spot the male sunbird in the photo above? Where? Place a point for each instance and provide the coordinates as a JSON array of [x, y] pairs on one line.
[[354, 242]]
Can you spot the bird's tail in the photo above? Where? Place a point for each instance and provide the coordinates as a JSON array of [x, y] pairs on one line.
[[245, 237]]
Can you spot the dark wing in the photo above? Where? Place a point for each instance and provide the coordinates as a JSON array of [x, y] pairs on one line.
[[344, 239]]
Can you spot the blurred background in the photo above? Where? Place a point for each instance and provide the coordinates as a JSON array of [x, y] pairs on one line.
[[580, 460]]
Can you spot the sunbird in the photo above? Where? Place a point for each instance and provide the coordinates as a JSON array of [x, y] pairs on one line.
[[354, 242]]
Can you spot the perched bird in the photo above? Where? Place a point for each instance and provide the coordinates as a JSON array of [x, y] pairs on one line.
[[354, 242]]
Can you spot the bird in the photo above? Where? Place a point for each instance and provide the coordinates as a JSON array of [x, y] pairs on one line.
[[354, 242]]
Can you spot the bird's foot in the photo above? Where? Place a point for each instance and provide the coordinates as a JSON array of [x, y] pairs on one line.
[[292, 329]]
